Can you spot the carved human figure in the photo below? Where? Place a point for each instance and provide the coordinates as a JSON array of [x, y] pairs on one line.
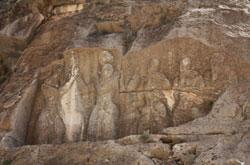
[[133, 83], [130, 112], [189, 77], [159, 115], [154, 116], [156, 80], [49, 119], [73, 109], [144, 122], [188, 107], [106, 74], [104, 117], [106, 58]]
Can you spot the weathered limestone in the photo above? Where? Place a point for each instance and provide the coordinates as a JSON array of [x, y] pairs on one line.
[[109, 27], [87, 153], [68, 9], [188, 106], [72, 105], [222, 119], [86, 103], [156, 80], [104, 117], [185, 152], [185, 71], [99, 101], [14, 38], [19, 28], [188, 77], [21, 117], [10, 50], [56, 6]]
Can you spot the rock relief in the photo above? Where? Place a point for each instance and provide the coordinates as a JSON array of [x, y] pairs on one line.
[[189, 77], [104, 117], [73, 105], [156, 80]]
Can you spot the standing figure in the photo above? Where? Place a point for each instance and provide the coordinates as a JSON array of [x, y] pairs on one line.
[[189, 77], [154, 116], [104, 117], [73, 110], [156, 79]]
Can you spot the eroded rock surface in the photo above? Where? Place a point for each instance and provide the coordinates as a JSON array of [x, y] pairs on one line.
[[113, 69], [23, 28]]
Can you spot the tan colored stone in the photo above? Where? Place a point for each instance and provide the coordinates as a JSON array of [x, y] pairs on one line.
[[23, 28], [68, 9], [81, 153], [227, 162], [21, 118], [185, 152], [109, 27], [186, 69], [10, 50], [200, 128], [159, 151]]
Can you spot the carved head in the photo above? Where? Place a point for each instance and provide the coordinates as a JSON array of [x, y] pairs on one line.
[[154, 65], [75, 69], [106, 58], [107, 72], [185, 63]]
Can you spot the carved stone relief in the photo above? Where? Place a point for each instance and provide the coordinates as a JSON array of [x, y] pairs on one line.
[[104, 117], [143, 111], [49, 119], [73, 105], [21, 117], [156, 80], [101, 97], [87, 101], [130, 112], [189, 77], [133, 83], [154, 115]]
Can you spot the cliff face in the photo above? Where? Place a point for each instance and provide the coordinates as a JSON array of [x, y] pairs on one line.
[[169, 80]]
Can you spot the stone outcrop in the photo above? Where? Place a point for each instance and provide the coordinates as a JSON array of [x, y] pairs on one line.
[[15, 37], [11, 50], [21, 117], [98, 100], [158, 82], [108, 152], [19, 29]]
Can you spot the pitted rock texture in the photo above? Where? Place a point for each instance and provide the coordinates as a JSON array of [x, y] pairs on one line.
[[113, 69]]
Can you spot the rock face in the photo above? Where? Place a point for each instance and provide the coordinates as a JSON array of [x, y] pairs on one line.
[[21, 117], [14, 39], [109, 70], [19, 29]]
